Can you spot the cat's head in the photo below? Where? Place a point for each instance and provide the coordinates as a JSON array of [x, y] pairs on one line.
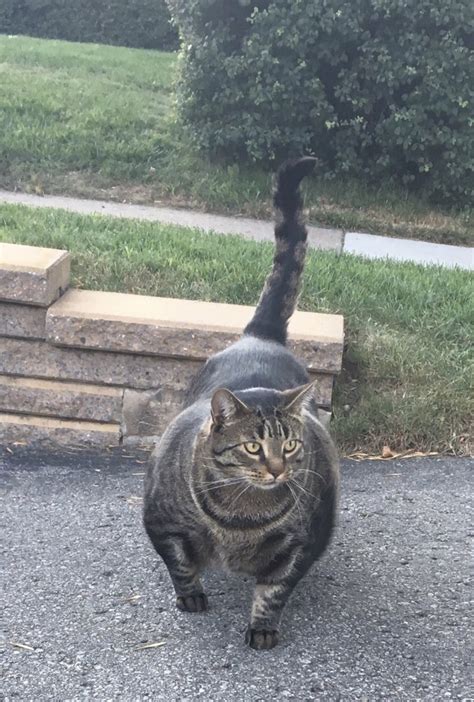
[[259, 435]]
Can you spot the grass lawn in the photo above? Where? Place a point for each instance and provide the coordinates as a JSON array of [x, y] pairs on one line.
[[409, 361], [98, 121]]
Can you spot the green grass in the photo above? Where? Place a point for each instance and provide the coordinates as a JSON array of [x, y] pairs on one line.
[[408, 366], [98, 121]]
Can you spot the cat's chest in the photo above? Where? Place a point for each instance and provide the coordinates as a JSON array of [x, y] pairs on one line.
[[236, 558], [241, 553]]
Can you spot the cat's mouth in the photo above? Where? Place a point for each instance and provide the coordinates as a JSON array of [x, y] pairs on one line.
[[270, 482]]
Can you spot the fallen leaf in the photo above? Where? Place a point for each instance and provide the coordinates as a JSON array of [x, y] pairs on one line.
[[143, 647], [387, 452], [134, 500], [359, 456], [24, 647], [132, 598]]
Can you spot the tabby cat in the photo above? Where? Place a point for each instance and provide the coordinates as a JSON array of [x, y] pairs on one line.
[[246, 476]]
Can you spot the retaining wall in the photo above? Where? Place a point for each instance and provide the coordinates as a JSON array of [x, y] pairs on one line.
[[80, 367]]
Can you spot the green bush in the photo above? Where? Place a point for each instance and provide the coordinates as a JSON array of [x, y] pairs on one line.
[[140, 23], [374, 88]]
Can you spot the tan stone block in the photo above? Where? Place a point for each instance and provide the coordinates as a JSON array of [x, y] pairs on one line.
[[33, 275], [149, 413], [141, 442], [39, 359], [325, 418], [45, 430], [58, 399], [186, 328], [323, 388], [23, 321]]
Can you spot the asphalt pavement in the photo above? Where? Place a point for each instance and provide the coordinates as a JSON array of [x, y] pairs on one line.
[[384, 615]]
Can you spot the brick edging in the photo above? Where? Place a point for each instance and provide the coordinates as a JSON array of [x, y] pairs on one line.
[[94, 368]]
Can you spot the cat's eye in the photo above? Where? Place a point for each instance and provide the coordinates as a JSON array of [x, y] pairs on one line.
[[252, 447], [290, 445]]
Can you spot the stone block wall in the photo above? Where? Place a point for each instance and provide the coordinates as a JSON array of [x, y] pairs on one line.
[[82, 368]]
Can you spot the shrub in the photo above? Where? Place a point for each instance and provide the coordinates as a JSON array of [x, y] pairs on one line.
[[139, 23], [375, 88]]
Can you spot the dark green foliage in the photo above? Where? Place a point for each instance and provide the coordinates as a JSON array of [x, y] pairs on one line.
[[139, 23], [375, 88]]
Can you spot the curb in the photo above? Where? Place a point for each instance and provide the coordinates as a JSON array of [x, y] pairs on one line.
[[370, 246]]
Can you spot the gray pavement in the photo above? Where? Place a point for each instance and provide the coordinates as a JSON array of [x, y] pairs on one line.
[[357, 243], [383, 616], [258, 230], [424, 252]]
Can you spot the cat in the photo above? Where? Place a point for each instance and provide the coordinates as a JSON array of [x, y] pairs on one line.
[[246, 476]]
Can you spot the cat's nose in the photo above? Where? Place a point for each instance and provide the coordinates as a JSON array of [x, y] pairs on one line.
[[275, 468]]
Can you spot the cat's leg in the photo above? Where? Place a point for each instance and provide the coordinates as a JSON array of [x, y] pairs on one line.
[[183, 567], [275, 585], [272, 591], [269, 600]]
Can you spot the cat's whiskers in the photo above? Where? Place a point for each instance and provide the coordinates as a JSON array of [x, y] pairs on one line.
[[309, 470], [303, 489], [223, 484], [207, 488], [239, 496], [218, 480], [296, 501]]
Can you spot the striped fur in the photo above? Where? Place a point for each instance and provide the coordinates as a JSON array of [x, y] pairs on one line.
[[210, 496], [280, 294]]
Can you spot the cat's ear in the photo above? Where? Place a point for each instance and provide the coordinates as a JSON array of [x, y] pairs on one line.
[[299, 398], [225, 405]]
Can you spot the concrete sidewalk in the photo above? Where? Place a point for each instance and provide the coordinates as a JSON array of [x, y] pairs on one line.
[[360, 244]]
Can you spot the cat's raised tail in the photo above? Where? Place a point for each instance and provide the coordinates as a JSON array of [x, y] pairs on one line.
[[282, 286]]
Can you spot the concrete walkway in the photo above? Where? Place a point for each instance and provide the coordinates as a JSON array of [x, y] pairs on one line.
[[367, 245]]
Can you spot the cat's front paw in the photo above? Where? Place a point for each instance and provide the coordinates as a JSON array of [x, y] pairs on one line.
[[192, 603], [261, 639]]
